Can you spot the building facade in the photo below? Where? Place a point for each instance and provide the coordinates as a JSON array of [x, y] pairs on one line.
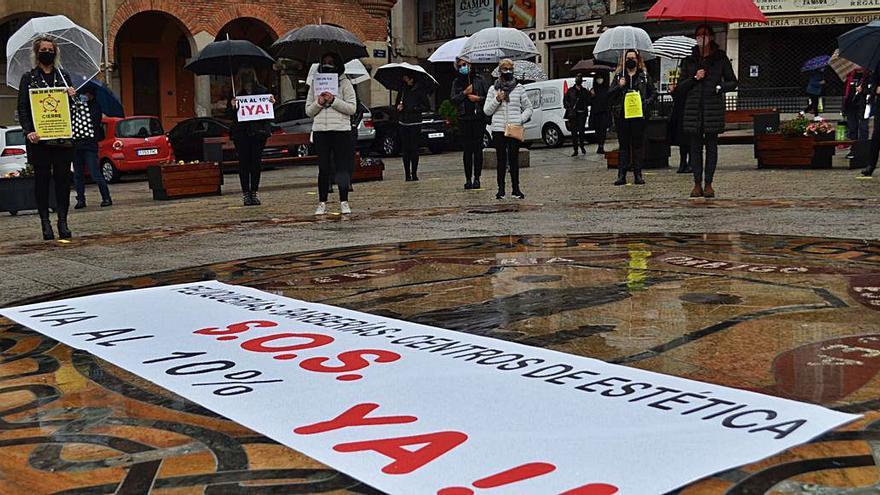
[[147, 43]]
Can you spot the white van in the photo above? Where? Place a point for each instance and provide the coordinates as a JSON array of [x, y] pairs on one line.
[[548, 120]]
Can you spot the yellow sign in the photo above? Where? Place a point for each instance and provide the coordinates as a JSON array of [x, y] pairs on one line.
[[632, 106], [50, 108]]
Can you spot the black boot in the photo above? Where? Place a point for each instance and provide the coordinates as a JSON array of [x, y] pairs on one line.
[[255, 200], [80, 204], [638, 177], [575, 152], [600, 150], [583, 150], [246, 198], [621, 177], [63, 230], [48, 233], [868, 172], [476, 183], [415, 172]]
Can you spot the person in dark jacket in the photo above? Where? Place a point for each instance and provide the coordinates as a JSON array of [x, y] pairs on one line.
[[412, 100], [600, 116], [855, 97], [577, 104], [249, 137], [50, 158], [85, 154], [469, 95], [706, 75], [815, 85], [675, 132], [631, 79], [875, 135]]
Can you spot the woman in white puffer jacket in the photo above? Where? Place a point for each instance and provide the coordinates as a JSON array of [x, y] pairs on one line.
[[331, 132], [507, 103]]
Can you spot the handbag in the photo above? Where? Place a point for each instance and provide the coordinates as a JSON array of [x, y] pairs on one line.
[[81, 120], [513, 131]]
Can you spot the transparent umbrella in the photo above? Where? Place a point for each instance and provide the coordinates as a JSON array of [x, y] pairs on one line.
[[525, 71], [616, 41], [80, 50], [491, 45]]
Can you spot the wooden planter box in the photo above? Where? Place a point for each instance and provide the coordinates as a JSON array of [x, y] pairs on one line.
[[17, 194], [184, 181], [778, 151], [367, 169]]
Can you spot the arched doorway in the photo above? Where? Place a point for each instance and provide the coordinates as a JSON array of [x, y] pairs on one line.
[[8, 26], [151, 50], [258, 33]]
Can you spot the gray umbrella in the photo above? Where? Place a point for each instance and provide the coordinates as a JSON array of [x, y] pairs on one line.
[[862, 46], [308, 43], [616, 41]]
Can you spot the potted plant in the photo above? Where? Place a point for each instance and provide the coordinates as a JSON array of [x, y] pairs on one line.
[[184, 180], [795, 145], [17, 191]]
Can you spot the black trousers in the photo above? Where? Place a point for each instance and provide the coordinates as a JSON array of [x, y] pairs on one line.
[[875, 146], [578, 132], [51, 162], [711, 142], [250, 162], [410, 139], [601, 121], [684, 151], [472, 141], [813, 106], [507, 150], [335, 158], [631, 134]]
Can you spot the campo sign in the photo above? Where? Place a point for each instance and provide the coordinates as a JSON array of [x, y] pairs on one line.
[[473, 15]]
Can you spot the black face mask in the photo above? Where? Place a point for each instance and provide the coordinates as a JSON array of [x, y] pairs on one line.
[[46, 58], [327, 69], [507, 76], [630, 64]]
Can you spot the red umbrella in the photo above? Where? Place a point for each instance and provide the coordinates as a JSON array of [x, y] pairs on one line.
[[707, 10]]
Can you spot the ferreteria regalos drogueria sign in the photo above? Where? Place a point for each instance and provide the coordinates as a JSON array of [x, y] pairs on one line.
[[806, 6], [473, 15], [412, 409]]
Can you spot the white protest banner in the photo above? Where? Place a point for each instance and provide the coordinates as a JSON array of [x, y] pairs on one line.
[[412, 409], [326, 83], [255, 107]]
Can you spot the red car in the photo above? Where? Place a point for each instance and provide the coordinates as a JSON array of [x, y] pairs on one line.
[[132, 144]]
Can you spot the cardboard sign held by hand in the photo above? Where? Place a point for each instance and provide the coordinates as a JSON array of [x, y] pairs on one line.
[[255, 107], [632, 106]]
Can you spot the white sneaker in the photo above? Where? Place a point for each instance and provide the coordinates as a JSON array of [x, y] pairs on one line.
[[345, 208], [322, 209]]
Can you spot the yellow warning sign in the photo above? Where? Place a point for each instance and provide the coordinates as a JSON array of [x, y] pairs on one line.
[[50, 108]]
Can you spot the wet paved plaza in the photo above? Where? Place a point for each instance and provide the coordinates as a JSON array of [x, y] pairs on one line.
[[792, 316]]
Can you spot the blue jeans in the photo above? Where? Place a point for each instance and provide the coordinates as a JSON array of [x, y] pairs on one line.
[[86, 155]]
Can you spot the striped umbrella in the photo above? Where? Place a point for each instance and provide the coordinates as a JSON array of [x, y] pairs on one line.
[[674, 47], [841, 66]]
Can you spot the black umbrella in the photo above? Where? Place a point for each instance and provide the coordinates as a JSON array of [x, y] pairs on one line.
[[590, 67], [310, 42], [862, 46], [223, 58], [391, 76]]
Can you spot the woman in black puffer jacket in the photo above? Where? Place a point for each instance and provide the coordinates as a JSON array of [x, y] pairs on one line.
[[705, 76]]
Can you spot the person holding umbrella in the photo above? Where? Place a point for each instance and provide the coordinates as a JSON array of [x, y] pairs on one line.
[[632, 94], [248, 137], [706, 75], [576, 103], [85, 153], [815, 85], [50, 158], [875, 135], [469, 92], [510, 108], [412, 100], [331, 132]]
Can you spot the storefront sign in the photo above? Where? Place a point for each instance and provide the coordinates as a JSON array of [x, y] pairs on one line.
[[569, 33], [786, 6], [812, 20], [50, 109], [565, 11], [473, 15], [414, 409]]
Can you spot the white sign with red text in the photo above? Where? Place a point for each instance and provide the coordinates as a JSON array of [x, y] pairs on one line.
[[412, 409], [255, 107]]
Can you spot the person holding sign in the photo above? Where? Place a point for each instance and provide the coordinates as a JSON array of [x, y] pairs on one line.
[[331, 102], [632, 93], [251, 111], [706, 74], [44, 114]]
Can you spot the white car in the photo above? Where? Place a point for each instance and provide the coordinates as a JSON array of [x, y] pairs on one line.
[[548, 119], [13, 154]]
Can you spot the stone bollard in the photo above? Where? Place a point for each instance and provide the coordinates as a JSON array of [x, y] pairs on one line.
[[489, 160]]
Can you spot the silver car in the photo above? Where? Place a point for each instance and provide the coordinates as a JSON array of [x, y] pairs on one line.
[[13, 153]]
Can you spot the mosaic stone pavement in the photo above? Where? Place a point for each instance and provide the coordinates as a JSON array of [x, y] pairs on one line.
[[796, 317]]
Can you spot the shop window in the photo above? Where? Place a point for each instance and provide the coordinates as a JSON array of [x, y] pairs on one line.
[[566, 11]]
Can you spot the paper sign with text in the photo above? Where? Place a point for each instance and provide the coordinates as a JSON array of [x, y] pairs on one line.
[[326, 83], [255, 107], [413, 409], [50, 109]]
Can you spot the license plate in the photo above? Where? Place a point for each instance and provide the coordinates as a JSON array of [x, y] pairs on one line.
[[149, 152], [436, 135]]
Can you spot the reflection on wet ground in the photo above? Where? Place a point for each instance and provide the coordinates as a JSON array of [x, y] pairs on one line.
[[789, 316]]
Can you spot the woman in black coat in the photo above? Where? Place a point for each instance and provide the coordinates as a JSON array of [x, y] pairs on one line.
[[412, 100], [249, 137], [469, 92], [706, 75], [51, 158], [632, 78], [600, 113], [675, 132]]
